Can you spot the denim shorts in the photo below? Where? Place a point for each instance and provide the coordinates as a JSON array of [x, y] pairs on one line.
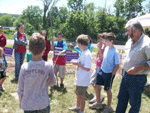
[[105, 79]]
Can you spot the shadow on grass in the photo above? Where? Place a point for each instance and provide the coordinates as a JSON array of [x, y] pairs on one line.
[[14, 81], [147, 91], [59, 89], [88, 96], [101, 110]]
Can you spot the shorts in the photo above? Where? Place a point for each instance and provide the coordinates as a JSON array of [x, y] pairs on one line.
[[94, 75], [45, 110], [61, 69], [81, 90], [2, 75], [105, 79]]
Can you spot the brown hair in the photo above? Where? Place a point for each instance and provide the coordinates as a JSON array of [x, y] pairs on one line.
[[36, 43], [60, 34], [83, 39], [111, 36], [1, 51], [102, 35]]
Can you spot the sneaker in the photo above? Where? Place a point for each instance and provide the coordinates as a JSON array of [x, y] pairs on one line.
[[2, 88], [76, 109], [96, 106], [94, 99], [108, 110], [62, 85]]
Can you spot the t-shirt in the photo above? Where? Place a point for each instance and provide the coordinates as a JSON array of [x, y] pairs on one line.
[[34, 78], [111, 58], [59, 46], [21, 48], [82, 77], [47, 48], [2, 40], [99, 61]]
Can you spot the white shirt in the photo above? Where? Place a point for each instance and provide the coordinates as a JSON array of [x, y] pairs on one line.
[[82, 76], [34, 78]]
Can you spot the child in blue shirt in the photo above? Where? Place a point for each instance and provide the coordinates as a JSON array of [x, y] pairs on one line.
[[110, 65], [90, 46]]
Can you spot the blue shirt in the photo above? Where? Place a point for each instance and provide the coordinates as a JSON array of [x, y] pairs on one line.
[[62, 43], [77, 49], [111, 58]]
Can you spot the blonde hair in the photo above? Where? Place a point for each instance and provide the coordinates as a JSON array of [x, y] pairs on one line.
[[1, 51], [36, 43], [83, 39]]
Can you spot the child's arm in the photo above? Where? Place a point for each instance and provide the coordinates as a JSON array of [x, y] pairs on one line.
[[52, 44], [76, 48], [52, 77], [20, 89], [87, 66], [117, 62], [115, 70]]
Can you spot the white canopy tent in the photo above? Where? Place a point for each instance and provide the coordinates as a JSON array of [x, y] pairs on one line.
[[144, 20]]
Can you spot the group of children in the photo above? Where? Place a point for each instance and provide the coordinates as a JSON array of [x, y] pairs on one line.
[[36, 75]]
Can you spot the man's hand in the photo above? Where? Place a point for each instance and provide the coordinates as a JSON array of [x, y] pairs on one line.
[[133, 70]]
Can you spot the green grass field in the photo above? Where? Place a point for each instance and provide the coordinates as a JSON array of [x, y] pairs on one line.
[[61, 100]]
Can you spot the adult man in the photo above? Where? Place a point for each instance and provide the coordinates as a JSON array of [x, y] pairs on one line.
[[3, 43], [136, 67]]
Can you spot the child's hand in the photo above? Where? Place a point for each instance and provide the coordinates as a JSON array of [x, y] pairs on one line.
[[74, 62], [59, 53], [52, 40]]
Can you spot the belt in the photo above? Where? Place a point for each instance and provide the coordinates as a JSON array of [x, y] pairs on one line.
[[136, 74]]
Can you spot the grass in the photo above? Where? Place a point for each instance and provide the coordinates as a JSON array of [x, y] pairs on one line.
[[61, 100]]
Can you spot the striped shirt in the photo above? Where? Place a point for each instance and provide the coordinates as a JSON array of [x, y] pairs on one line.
[[137, 54]]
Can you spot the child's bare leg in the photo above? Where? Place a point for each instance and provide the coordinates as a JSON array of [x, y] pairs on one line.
[[62, 80], [78, 100], [109, 97], [2, 80], [98, 90], [82, 103]]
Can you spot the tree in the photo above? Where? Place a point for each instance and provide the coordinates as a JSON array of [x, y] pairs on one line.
[[48, 6], [75, 5], [6, 20], [132, 8], [75, 25], [33, 15]]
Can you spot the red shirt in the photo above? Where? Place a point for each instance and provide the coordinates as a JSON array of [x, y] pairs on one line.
[[47, 48], [59, 60], [21, 48], [2, 40]]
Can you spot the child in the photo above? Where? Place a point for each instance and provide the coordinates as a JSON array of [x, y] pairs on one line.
[[82, 78], [60, 48], [34, 78], [101, 47], [90, 46], [106, 75], [45, 55], [2, 69]]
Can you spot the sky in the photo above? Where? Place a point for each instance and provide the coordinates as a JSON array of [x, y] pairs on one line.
[[17, 6]]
